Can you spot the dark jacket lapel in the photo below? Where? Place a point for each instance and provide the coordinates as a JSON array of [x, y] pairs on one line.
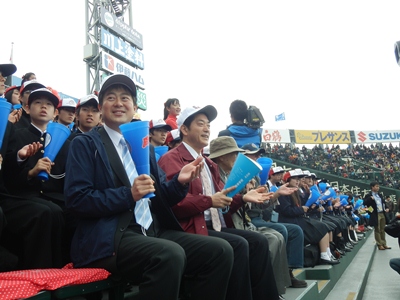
[[115, 161]]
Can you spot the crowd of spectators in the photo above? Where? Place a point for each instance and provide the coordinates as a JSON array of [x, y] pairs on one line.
[[377, 162]]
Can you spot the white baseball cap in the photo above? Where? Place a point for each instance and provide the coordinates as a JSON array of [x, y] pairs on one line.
[[159, 123], [209, 110], [67, 102], [88, 98]]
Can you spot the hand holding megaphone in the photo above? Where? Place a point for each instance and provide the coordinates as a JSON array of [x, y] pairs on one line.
[[42, 165]]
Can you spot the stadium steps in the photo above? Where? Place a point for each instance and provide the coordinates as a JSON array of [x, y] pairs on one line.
[[352, 283], [322, 279]]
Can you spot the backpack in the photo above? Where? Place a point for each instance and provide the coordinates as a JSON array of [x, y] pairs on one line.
[[311, 255]]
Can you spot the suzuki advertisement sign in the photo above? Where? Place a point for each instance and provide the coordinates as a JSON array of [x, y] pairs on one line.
[[121, 28], [381, 136], [113, 65]]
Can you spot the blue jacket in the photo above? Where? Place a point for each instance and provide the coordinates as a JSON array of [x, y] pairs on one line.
[[242, 134], [97, 191]]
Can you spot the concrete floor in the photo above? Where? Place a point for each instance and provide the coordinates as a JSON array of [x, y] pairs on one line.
[[383, 282]]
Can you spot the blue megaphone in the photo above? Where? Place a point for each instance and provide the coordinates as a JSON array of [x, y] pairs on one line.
[[322, 187], [314, 196], [358, 204]]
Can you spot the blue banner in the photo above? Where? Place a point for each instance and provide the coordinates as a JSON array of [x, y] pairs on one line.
[[280, 117]]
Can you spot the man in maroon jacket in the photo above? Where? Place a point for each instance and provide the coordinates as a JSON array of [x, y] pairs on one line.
[[252, 276]]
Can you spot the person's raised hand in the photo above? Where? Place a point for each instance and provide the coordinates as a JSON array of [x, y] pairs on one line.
[[191, 171], [29, 150], [258, 195], [285, 190], [142, 185], [15, 115]]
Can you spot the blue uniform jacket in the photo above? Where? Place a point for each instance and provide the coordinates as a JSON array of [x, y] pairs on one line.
[[97, 191]]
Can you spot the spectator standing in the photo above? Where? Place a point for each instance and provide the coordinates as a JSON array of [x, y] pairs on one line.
[[172, 109], [28, 77], [238, 129], [390, 207], [377, 219]]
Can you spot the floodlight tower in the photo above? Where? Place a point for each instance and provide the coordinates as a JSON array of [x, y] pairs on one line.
[[92, 57]]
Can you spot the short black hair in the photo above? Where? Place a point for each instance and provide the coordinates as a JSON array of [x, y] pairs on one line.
[[238, 110], [117, 86], [373, 183]]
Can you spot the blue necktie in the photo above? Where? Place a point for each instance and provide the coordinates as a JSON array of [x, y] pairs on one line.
[[142, 209]]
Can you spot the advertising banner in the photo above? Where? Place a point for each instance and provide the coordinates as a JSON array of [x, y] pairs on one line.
[[275, 135], [121, 48], [381, 136], [113, 65], [322, 137], [121, 28], [141, 100]]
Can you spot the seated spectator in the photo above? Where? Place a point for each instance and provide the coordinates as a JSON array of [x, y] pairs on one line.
[[158, 132], [66, 112], [22, 180], [34, 226], [173, 139], [200, 212], [104, 191], [223, 151], [291, 211], [11, 94], [26, 88], [5, 71], [87, 114]]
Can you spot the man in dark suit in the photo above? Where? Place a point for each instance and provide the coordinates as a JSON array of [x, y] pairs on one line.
[[377, 218], [103, 197]]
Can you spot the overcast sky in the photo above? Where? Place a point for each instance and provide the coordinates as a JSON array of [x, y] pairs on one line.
[[327, 65]]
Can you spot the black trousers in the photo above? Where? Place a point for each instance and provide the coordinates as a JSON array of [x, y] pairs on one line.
[[252, 274], [158, 264], [34, 231]]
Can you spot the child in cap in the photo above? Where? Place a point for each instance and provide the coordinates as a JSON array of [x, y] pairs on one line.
[[66, 112], [158, 132], [173, 139], [26, 88], [22, 180], [87, 113]]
